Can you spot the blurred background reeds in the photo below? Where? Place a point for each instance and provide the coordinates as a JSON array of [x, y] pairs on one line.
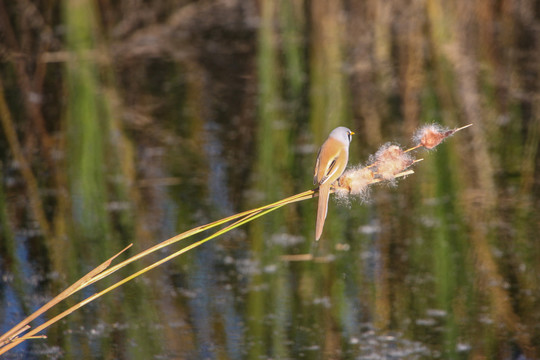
[[132, 121]]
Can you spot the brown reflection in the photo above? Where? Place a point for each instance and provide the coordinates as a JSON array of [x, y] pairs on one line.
[[494, 283]]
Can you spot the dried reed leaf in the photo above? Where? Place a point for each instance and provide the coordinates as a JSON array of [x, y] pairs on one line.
[[79, 284]]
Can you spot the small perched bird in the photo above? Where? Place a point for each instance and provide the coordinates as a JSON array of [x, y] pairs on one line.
[[331, 162]]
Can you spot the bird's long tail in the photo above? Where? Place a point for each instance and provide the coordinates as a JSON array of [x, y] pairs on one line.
[[322, 210]]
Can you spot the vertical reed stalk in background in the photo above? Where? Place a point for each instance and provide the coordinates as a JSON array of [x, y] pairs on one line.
[[7, 245], [267, 108], [36, 203], [293, 24], [382, 21], [382, 310], [87, 125], [526, 251], [123, 196], [11, 263], [448, 266], [272, 178], [441, 41], [16, 37], [368, 104], [470, 100], [411, 59], [329, 98]]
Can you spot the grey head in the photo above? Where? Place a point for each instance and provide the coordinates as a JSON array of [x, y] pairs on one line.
[[342, 134]]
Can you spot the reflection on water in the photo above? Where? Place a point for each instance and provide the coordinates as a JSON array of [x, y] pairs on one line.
[[134, 121]]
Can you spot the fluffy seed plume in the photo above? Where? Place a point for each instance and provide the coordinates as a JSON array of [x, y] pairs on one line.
[[355, 181], [390, 160], [432, 135]]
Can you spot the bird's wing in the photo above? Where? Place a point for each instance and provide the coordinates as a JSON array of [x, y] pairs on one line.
[[317, 163], [328, 164], [330, 170]]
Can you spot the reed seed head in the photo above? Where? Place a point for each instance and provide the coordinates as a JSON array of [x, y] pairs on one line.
[[391, 160], [430, 136], [355, 181]]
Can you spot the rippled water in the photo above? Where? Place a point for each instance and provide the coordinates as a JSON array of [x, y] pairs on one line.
[[148, 119]]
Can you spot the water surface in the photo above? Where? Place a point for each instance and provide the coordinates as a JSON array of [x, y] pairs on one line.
[[136, 121]]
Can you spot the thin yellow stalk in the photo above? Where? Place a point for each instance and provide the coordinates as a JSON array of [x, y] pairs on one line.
[[463, 127], [23, 325], [413, 148], [298, 197], [13, 333], [100, 272], [31, 334]]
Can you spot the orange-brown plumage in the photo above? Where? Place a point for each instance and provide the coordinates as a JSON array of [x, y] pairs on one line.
[[331, 162]]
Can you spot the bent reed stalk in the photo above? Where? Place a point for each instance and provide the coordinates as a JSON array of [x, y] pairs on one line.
[[388, 164]]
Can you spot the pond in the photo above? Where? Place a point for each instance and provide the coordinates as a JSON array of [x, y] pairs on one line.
[[130, 122]]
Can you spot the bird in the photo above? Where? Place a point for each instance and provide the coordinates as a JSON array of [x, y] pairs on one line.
[[331, 161]]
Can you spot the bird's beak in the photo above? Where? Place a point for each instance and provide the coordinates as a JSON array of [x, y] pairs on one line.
[[352, 132]]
